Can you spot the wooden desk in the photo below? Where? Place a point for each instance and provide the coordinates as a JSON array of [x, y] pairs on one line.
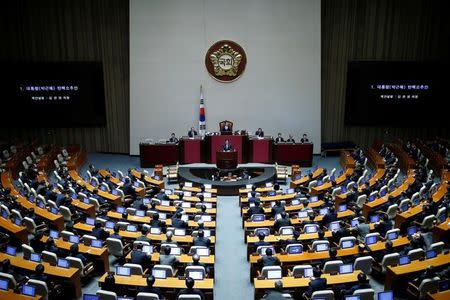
[[88, 209], [287, 154], [288, 208], [116, 200], [10, 295], [57, 221], [346, 160], [148, 179], [285, 197], [439, 295], [116, 181], [183, 258], [154, 154], [71, 275], [194, 199], [99, 254], [134, 235], [304, 179], [19, 233], [441, 230], [189, 211], [194, 189], [293, 283], [226, 160], [393, 273]]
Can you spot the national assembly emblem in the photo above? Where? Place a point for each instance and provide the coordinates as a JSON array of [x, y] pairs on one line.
[[225, 61]]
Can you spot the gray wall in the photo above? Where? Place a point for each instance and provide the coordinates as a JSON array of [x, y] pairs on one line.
[[73, 30], [279, 90]]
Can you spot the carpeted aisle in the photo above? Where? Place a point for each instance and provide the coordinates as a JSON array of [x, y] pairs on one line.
[[231, 267]]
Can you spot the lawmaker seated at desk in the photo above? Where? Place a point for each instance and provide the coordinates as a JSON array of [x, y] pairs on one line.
[[227, 147], [290, 139], [172, 139], [190, 290], [192, 133], [304, 139], [279, 138], [259, 132]]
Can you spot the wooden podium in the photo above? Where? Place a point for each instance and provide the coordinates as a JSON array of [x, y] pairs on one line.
[[227, 160]]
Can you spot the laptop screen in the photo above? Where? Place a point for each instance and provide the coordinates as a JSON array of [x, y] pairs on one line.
[[342, 207], [264, 231], [444, 285], [74, 239], [196, 275], [96, 243], [162, 216], [63, 263], [90, 221], [123, 271], [323, 211], [103, 188], [371, 198], [392, 235], [140, 213], [179, 232], [343, 190], [258, 218], [159, 273], [347, 244], [155, 230], [389, 295], [115, 192], [269, 184], [131, 228], [311, 229], [35, 257], [290, 191], [54, 234], [354, 222], [287, 231], [41, 204], [4, 284], [404, 207], [319, 183], [430, 254], [109, 224], [120, 209], [322, 247], [175, 251], [303, 214], [371, 240], [28, 290], [207, 195], [165, 203], [202, 251], [90, 297], [274, 274], [411, 230], [352, 297], [147, 249], [383, 193], [334, 226], [187, 193], [442, 218], [374, 218], [313, 199], [403, 260], [345, 269], [296, 249], [10, 250], [18, 222], [308, 272], [86, 201]]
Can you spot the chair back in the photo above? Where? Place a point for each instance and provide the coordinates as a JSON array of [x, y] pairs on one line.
[[364, 264], [115, 247], [41, 287]]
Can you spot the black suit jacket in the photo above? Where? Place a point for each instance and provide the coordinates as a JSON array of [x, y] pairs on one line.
[[316, 284], [226, 147], [266, 261], [140, 258], [192, 133], [260, 133]]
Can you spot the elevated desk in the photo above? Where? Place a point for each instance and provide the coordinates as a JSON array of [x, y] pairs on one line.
[[287, 154], [10, 295], [191, 150], [154, 154], [260, 150], [214, 144]]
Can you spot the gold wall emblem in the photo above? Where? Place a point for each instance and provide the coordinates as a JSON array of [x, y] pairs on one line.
[[225, 61]]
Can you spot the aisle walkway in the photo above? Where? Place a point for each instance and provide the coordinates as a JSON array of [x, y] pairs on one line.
[[231, 268]]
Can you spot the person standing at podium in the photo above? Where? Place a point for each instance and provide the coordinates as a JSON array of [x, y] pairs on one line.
[[259, 133], [192, 133], [227, 147]]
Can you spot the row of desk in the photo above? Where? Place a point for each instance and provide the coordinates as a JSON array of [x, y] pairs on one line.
[[197, 150]]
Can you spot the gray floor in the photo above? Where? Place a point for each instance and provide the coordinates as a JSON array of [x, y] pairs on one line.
[[231, 267]]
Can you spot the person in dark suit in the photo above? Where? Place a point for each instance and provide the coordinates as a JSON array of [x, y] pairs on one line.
[[384, 225], [362, 284], [75, 252], [173, 138], [283, 221], [293, 240], [143, 237], [332, 253], [257, 209], [196, 262], [226, 128], [279, 138], [290, 139], [253, 197], [260, 243], [168, 259], [259, 132], [35, 242], [201, 240], [50, 247], [192, 133], [278, 208], [316, 284], [39, 273], [116, 234], [99, 232], [139, 257], [331, 216], [156, 222], [128, 189], [275, 294], [177, 222], [227, 146], [304, 139], [190, 289], [268, 260], [149, 288]]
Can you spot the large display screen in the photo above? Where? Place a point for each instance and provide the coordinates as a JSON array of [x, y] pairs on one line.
[[63, 94], [403, 94]]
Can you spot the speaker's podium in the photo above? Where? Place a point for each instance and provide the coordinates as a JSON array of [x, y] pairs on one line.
[[226, 160]]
